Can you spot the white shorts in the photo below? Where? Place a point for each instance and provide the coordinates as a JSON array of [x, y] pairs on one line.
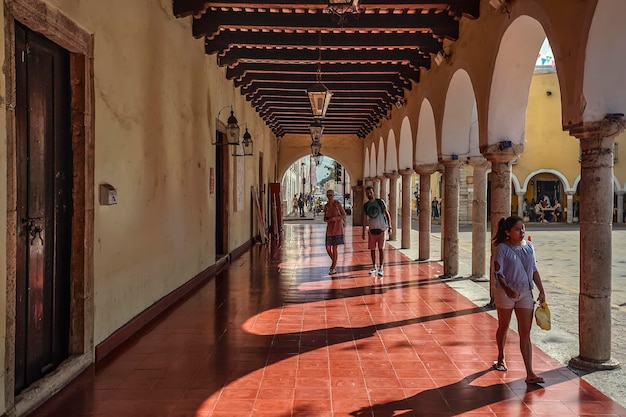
[[525, 300]]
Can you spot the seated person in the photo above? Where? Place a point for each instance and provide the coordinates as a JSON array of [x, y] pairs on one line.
[[539, 213], [558, 211]]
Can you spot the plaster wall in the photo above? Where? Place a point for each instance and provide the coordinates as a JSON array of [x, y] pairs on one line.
[[157, 96], [546, 144]]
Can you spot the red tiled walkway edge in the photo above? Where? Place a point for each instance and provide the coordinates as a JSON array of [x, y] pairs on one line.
[[276, 336]]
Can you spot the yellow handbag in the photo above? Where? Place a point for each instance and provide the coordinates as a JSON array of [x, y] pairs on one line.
[[542, 316]]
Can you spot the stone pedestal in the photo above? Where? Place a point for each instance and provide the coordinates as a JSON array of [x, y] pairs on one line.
[[501, 160], [425, 217], [479, 217], [393, 203], [597, 141], [406, 208], [450, 226], [358, 199]]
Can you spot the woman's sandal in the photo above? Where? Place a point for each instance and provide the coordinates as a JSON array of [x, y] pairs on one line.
[[535, 380], [499, 366]]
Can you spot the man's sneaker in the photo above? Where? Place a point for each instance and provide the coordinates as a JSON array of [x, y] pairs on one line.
[[373, 270], [380, 272], [332, 271]]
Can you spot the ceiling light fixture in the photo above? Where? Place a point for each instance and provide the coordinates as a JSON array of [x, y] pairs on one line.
[[342, 9], [319, 95], [316, 129]]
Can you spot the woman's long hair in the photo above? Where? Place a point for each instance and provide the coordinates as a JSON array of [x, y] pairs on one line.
[[503, 226]]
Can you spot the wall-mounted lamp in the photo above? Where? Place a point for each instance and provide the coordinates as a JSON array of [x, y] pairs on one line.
[[232, 129], [548, 93], [246, 146]]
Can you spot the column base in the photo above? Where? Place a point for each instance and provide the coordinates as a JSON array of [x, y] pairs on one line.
[[479, 278], [423, 261], [591, 365]]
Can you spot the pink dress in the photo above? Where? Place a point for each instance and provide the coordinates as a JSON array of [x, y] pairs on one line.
[[334, 229]]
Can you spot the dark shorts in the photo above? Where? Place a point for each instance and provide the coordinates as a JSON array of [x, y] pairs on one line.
[[334, 240]]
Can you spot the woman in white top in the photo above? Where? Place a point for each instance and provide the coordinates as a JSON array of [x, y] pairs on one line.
[[516, 272]]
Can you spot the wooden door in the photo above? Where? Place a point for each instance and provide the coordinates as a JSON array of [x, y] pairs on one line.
[[44, 189]]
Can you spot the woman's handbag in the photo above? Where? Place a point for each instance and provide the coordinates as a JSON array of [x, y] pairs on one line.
[[542, 316]]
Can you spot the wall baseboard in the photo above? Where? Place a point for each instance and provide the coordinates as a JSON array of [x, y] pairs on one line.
[[144, 318]]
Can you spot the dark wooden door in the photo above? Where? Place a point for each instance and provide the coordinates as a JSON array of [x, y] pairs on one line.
[[44, 190]]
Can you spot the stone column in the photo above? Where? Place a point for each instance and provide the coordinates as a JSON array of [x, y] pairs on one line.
[[501, 160], [597, 141], [425, 217], [479, 217], [406, 208], [376, 185], [383, 187], [393, 203], [620, 206], [358, 199], [520, 201], [450, 226], [570, 206]]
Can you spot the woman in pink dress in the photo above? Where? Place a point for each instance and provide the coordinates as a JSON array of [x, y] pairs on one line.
[[334, 216]]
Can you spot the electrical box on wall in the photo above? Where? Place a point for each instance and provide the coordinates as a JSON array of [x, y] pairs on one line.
[[108, 195]]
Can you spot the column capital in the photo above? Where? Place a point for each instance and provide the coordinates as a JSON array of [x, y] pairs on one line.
[[451, 163], [425, 169], [407, 171], [375, 179], [496, 153], [611, 126], [392, 175], [620, 192], [367, 179], [478, 162], [381, 177]]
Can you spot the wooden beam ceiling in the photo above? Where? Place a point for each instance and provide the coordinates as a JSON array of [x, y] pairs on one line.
[[274, 51]]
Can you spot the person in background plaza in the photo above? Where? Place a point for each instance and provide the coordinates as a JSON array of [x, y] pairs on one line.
[[301, 205], [539, 217], [435, 207], [558, 211], [417, 202], [294, 204], [516, 272], [376, 215], [334, 216]]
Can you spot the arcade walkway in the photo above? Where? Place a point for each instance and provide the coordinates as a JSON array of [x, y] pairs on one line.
[[276, 336]]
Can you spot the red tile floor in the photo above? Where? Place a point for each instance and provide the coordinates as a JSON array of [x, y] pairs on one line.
[[274, 335]]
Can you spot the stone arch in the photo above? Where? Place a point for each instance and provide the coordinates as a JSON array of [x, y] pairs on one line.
[[459, 130], [559, 175], [510, 84], [380, 157], [426, 137], [372, 161], [391, 160], [604, 86], [405, 154]]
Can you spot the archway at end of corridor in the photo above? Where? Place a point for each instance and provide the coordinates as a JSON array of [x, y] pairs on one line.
[[305, 183]]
